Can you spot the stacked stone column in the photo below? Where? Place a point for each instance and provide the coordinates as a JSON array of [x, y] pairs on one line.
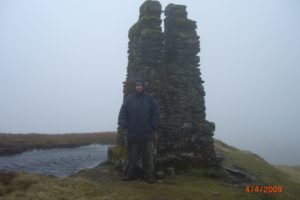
[[169, 63], [145, 48], [185, 137]]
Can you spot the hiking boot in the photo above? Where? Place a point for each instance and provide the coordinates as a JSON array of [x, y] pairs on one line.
[[128, 178]]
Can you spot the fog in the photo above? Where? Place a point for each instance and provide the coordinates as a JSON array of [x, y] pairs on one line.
[[62, 64]]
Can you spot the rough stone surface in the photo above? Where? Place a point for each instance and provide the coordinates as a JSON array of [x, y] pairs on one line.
[[169, 63]]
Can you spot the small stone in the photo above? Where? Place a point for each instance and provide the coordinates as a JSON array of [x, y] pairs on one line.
[[171, 170], [160, 174], [216, 194]]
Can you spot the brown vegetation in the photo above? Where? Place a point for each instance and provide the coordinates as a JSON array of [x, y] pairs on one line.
[[17, 143], [6, 178]]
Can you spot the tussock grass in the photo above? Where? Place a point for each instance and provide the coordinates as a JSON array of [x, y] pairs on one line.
[[98, 183], [102, 182]]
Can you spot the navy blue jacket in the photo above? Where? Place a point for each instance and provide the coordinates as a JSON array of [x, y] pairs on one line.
[[139, 114]]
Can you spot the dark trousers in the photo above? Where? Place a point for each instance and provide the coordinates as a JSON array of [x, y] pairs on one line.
[[137, 150]]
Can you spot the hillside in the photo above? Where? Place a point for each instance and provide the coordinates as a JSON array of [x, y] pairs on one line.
[[292, 172], [243, 169]]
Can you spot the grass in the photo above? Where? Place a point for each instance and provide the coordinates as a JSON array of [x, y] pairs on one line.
[[17, 143], [99, 183], [102, 182], [266, 173], [293, 172]]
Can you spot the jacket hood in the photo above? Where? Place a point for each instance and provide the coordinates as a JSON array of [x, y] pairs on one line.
[[139, 80]]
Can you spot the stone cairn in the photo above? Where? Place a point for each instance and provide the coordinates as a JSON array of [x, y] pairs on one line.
[[169, 63], [145, 49], [185, 137]]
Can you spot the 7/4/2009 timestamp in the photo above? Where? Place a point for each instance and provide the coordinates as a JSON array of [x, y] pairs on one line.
[[264, 188]]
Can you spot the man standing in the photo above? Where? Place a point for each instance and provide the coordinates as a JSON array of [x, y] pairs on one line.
[[139, 114]]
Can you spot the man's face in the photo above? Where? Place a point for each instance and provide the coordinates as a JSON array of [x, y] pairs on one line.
[[139, 87]]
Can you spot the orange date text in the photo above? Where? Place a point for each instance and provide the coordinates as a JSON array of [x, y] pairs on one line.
[[264, 189]]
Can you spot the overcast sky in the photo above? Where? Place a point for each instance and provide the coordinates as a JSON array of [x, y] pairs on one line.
[[62, 64]]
